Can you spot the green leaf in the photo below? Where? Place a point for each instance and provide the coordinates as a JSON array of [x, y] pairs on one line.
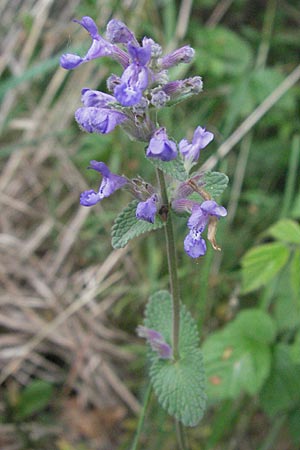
[[255, 324], [34, 398], [285, 230], [221, 52], [215, 183], [261, 264], [127, 226], [180, 385], [295, 349], [294, 274], [293, 423], [238, 358], [175, 168], [282, 389]]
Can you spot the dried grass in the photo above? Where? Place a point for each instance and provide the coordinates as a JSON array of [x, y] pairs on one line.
[[53, 313]]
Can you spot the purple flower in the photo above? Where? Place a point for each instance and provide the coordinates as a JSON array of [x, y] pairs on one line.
[[110, 183], [99, 120], [135, 77], [100, 47], [191, 150], [148, 209], [156, 341], [161, 147], [98, 99], [194, 244], [118, 33], [181, 55]]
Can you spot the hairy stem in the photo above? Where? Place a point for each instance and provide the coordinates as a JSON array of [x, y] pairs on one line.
[[172, 265]]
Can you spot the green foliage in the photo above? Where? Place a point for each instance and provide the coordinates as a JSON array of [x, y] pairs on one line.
[[180, 385], [215, 183], [221, 52], [127, 226], [282, 389], [238, 358], [34, 398], [261, 264], [175, 168], [285, 230]]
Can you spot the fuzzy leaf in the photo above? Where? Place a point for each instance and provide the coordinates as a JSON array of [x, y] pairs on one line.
[[215, 183], [238, 358], [285, 230], [175, 168], [179, 386], [127, 226], [261, 264]]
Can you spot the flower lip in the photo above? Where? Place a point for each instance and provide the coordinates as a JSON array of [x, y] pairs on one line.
[[161, 147], [109, 184], [90, 26], [191, 150], [147, 210], [99, 120]]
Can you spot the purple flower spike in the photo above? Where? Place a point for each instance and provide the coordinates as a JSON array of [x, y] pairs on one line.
[[98, 120], [118, 33], [201, 139], [110, 183], [148, 209], [156, 341], [161, 147]]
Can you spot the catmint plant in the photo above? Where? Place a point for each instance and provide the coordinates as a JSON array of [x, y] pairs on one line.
[[133, 102]]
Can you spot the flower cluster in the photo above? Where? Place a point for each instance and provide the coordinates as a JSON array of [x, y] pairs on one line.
[[143, 87]]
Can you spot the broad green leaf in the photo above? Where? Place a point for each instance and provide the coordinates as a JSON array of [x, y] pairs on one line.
[[238, 358], [175, 168], [127, 226], [295, 349], [179, 386], [261, 264], [295, 274], [285, 230], [282, 389], [215, 183], [255, 324], [34, 398]]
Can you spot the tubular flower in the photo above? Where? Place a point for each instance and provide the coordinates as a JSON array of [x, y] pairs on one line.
[[110, 183], [148, 209], [191, 150], [135, 77], [161, 147], [100, 47], [201, 216], [156, 341]]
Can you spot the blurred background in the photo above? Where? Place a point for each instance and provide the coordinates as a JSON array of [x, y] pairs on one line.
[[73, 372]]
